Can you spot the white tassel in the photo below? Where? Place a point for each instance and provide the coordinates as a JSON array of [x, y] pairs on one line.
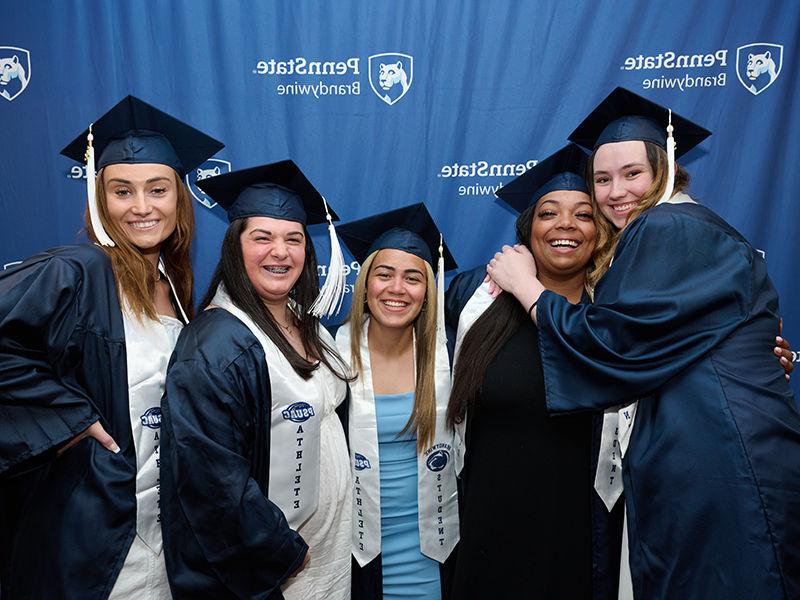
[[670, 163], [329, 300], [94, 210], [441, 333]]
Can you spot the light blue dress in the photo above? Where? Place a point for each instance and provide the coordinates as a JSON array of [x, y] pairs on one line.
[[407, 573]]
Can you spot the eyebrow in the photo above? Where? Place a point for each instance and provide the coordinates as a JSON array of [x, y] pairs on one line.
[[559, 204], [391, 268], [628, 166], [127, 181], [268, 232]]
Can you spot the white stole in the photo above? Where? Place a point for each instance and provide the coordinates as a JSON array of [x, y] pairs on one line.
[[437, 496], [295, 417], [148, 348], [480, 300], [617, 429]]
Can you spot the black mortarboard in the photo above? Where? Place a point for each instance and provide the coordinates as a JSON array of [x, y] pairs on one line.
[[410, 229], [625, 116], [135, 132], [279, 190], [562, 170]]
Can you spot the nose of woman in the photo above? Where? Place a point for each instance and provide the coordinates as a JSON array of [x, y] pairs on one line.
[[141, 205]]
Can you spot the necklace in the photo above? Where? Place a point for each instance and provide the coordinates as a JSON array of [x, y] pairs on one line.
[[289, 327]]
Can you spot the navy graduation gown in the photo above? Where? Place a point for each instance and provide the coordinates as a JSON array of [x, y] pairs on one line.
[[684, 320], [606, 527], [68, 521], [222, 537]]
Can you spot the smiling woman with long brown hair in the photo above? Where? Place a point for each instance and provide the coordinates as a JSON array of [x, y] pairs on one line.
[[85, 336], [255, 480]]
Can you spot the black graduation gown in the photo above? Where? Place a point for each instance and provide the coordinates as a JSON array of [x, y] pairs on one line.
[[68, 522], [223, 538], [520, 378]]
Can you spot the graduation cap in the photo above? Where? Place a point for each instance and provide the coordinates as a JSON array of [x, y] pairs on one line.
[[563, 170], [134, 132], [281, 190], [624, 116], [410, 229]]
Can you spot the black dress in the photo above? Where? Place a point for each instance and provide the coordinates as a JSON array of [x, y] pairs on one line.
[[526, 517]]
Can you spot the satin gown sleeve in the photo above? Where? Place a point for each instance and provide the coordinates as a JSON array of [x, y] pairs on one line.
[[223, 538], [678, 286], [41, 404]]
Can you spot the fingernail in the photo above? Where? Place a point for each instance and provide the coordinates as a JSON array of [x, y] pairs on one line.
[[779, 339], [115, 449]]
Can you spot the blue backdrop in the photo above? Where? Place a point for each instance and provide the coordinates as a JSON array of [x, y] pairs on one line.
[[481, 90]]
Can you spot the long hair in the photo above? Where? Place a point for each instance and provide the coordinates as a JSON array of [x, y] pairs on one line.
[[485, 338], [607, 234], [232, 274], [423, 414], [132, 271]]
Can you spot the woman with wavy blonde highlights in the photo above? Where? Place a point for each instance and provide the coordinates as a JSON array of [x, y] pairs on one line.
[[406, 508], [86, 333]]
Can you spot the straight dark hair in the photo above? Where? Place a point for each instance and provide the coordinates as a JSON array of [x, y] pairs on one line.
[[485, 338], [232, 274]]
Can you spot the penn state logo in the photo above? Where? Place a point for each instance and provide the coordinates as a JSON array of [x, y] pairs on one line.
[[438, 460], [15, 71], [211, 168], [298, 412], [151, 418], [758, 66], [391, 75], [361, 462]]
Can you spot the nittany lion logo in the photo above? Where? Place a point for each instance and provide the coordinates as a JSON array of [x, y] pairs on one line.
[[438, 460], [390, 75], [15, 71], [758, 66], [211, 168]]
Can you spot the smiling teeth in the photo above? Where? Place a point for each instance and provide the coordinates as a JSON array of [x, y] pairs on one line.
[[143, 224], [624, 207], [395, 303], [278, 270], [562, 243]]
